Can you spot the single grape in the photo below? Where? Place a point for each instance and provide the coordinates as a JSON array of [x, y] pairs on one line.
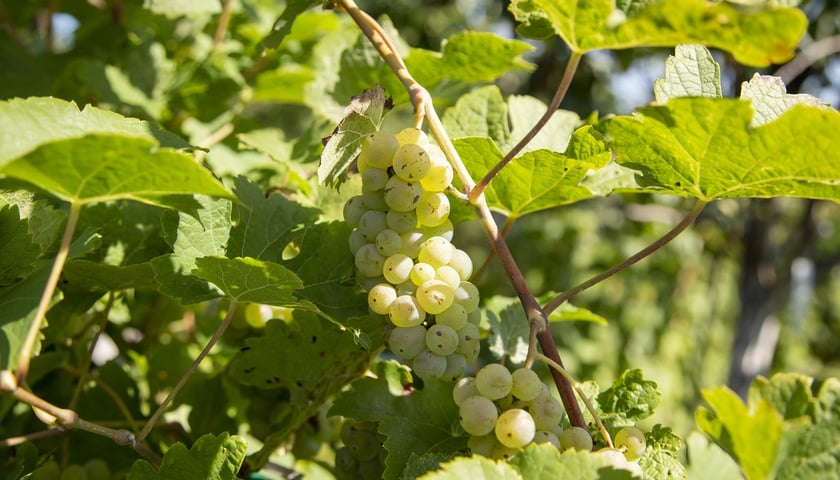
[[473, 317], [375, 201], [354, 208], [515, 428], [433, 209], [482, 445], [411, 162], [449, 276], [401, 222], [362, 442], [397, 268], [441, 340], [464, 389], [478, 415], [371, 223], [494, 381], [374, 179], [388, 242], [367, 283], [462, 263], [544, 436], [526, 384], [412, 241], [631, 441], [614, 458], [434, 296], [401, 195], [468, 340], [405, 312], [369, 261], [436, 251], [372, 468], [346, 465], [428, 366], [454, 317], [412, 135], [547, 411], [422, 273], [98, 469], [577, 438], [73, 472], [50, 470], [456, 366], [406, 288], [378, 149], [356, 241], [467, 296], [440, 171], [407, 342], [501, 452], [445, 230], [380, 298]]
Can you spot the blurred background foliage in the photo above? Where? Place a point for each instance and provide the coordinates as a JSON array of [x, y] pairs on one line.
[[752, 288]]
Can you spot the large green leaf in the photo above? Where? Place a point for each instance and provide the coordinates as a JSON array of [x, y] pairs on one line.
[[754, 36], [705, 148], [250, 280], [211, 457]]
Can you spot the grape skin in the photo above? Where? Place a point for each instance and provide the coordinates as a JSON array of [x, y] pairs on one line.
[[441, 340], [577, 438], [631, 440], [526, 384], [478, 415], [515, 428], [494, 381], [407, 342]]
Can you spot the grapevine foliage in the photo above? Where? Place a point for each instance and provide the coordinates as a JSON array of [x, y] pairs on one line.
[[214, 185]]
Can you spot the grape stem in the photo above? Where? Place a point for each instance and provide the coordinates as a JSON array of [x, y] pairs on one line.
[[585, 399], [424, 107]]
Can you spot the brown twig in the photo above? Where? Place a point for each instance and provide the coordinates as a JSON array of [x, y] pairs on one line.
[[224, 21], [810, 54]]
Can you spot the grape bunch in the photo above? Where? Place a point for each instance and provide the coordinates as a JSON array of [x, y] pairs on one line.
[[362, 455], [94, 469], [503, 411], [404, 256]]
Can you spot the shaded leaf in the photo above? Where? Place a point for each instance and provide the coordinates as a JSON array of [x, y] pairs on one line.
[[283, 25], [18, 250], [210, 458]]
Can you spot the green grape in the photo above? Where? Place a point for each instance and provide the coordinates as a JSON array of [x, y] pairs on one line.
[[577, 438], [631, 440], [436, 251], [380, 298], [428, 365], [454, 317], [547, 411], [378, 149], [478, 415], [468, 340], [433, 209], [411, 162], [374, 179], [372, 468], [473, 317], [464, 388], [412, 241], [369, 261], [526, 384], [360, 440], [47, 471], [456, 366], [397, 268], [401, 222], [445, 230], [449, 276], [346, 465], [407, 342], [412, 135], [356, 241], [371, 223], [388, 242], [367, 283], [441, 340], [483, 445], [98, 469], [405, 312], [422, 273], [354, 208], [515, 428], [462, 263], [375, 201], [406, 288], [402, 196], [440, 171], [306, 445], [467, 296], [494, 381], [544, 436], [73, 472], [502, 452], [434, 296], [614, 458]]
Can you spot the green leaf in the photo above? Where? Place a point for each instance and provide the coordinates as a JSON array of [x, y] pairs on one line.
[[810, 451], [828, 401], [789, 393], [18, 251], [210, 458], [98, 168], [475, 468], [98, 276], [749, 433], [546, 461], [705, 148], [707, 460], [770, 99], [525, 111], [631, 397], [363, 116], [509, 331], [283, 25], [250, 280], [662, 465], [28, 123], [690, 72], [756, 37], [571, 313]]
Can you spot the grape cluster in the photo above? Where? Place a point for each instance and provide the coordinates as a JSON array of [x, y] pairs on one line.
[[362, 455], [404, 256], [94, 469], [503, 411]]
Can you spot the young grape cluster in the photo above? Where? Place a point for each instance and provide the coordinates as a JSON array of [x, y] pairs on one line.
[[362, 455], [404, 257]]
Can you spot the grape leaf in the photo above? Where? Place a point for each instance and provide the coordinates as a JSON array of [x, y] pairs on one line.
[[690, 72], [509, 331], [749, 433], [755, 37], [810, 451], [250, 280], [97, 276], [707, 460], [546, 461], [770, 99], [283, 25], [98, 168], [631, 397], [18, 251], [473, 467], [210, 457], [571, 313], [789, 393], [705, 148], [828, 401], [662, 465], [363, 116]]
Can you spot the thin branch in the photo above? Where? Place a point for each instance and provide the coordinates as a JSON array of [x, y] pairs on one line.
[[810, 54], [562, 89], [224, 21], [31, 437], [210, 344], [635, 258], [49, 289]]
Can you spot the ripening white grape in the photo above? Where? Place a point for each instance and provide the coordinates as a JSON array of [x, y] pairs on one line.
[[468, 339], [464, 389], [412, 241], [354, 208], [407, 342], [473, 317], [405, 312], [441, 340], [397, 268], [380, 298], [456, 366], [428, 365], [515, 428], [482, 445], [374, 179], [433, 209], [462, 263], [631, 440], [436, 251], [371, 223], [422, 273], [375, 201], [494, 381], [502, 452], [369, 261], [614, 458], [449, 276], [401, 222], [544, 436], [401, 195], [478, 415], [526, 384], [378, 149], [388, 242], [361, 440], [434, 296], [356, 241], [412, 135], [445, 230], [577, 438], [454, 317], [411, 162], [466, 295], [367, 283], [406, 288], [547, 411], [440, 173]]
